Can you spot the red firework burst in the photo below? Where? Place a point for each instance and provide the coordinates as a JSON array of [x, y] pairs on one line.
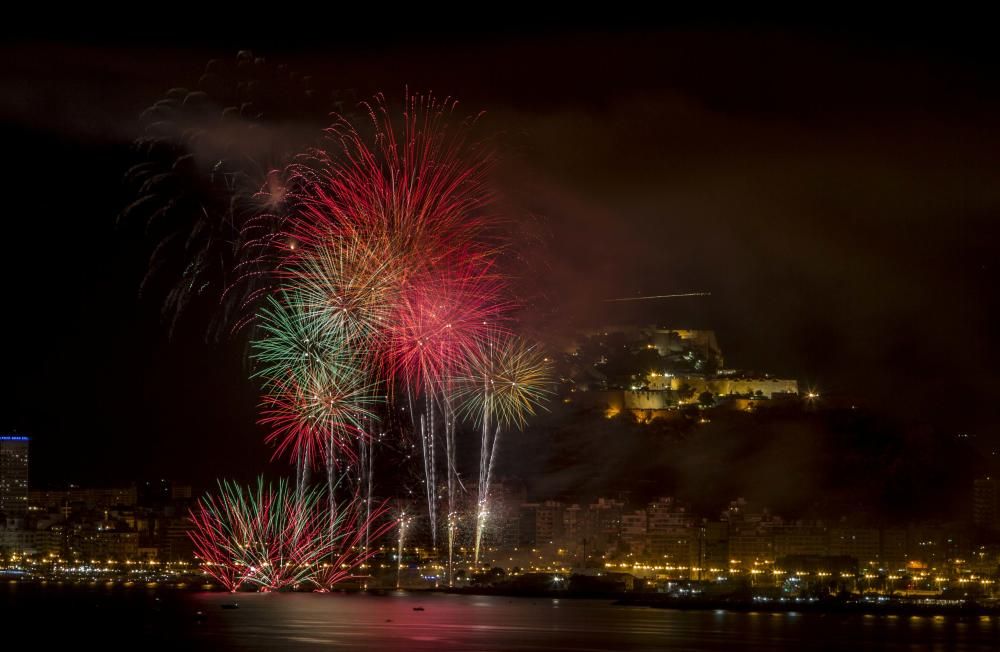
[[413, 186], [441, 314], [418, 178]]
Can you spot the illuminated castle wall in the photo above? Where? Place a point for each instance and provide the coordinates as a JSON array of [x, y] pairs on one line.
[[724, 385]]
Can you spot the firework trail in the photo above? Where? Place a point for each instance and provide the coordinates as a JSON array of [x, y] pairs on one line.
[[211, 162], [507, 380], [267, 536], [653, 297], [404, 522]]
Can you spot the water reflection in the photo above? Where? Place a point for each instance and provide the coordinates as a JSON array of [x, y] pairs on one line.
[[399, 621]]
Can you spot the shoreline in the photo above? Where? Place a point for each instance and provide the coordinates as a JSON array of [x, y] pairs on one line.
[[845, 606]]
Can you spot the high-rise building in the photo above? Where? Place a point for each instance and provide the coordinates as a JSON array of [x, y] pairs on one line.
[[986, 503], [541, 523], [669, 533], [14, 475], [634, 531], [713, 548], [604, 524]]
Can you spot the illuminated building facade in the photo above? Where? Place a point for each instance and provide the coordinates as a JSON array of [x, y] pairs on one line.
[[14, 475]]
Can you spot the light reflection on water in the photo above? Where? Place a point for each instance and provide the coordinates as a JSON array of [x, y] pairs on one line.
[[304, 621], [499, 623]]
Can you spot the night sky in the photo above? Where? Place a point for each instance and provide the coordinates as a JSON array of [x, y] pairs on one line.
[[834, 189]]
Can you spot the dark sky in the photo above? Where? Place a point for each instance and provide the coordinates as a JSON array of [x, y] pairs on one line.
[[835, 189]]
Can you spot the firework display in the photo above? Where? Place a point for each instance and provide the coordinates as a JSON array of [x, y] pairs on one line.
[[265, 536], [508, 379], [318, 393], [376, 293]]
